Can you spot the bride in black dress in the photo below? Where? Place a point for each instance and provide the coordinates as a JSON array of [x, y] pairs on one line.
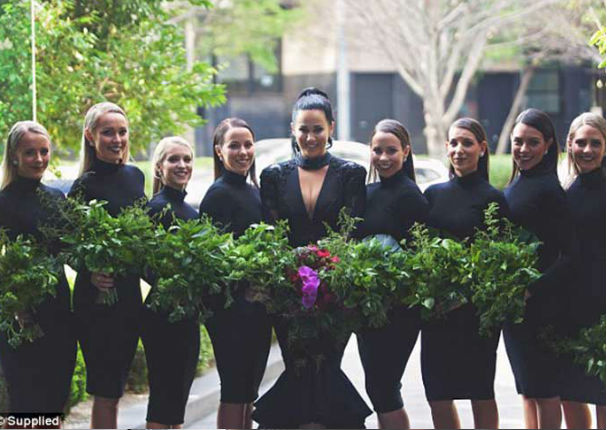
[[310, 190]]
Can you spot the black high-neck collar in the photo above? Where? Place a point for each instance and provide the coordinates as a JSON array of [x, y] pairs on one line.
[[173, 194], [392, 180], [233, 177], [25, 184], [593, 178], [103, 167], [313, 163], [469, 179], [541, 168]]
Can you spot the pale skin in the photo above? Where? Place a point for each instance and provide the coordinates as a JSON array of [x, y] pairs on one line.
[[587, 146], [528, 150], [464, 152]]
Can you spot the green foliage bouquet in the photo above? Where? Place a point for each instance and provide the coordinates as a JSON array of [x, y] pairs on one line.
[[189, 265], [28, 276]]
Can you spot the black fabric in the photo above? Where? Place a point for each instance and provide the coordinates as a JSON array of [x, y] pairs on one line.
[[108, 335], [240, 334], [312, 163], [457, 362], [320, 394], [538, 203], [38, 374], [584, 295], [393, 205], [343, 186], [171, 348]]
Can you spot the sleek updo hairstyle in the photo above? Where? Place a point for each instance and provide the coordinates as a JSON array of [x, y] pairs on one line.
[[395, 128], [541, 122], [9, 163], [312, 99], [587, 118], [474, 127], [160, 153], [87, 149], [218, 140]]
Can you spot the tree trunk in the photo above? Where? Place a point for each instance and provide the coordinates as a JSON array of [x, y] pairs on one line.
[[504, 140], [435, 130]]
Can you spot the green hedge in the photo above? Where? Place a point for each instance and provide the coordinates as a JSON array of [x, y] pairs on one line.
[[500, 167]]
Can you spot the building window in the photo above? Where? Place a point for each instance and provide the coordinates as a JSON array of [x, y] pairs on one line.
[[543, 92]]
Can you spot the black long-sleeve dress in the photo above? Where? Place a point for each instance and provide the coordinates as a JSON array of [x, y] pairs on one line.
[[321, 394], [457, 362], [108, 335], [38, 374], [585, 291], [538, 203], [240, 334], [171, 348], [393, 205]]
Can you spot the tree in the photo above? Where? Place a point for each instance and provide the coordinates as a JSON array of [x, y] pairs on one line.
[[437, 47], [125, 52]]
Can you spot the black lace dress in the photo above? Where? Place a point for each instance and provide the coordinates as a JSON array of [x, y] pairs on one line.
[[318, 392], [38, 374]]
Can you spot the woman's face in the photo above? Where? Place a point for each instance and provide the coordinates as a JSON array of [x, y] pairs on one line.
[[32, 154], [528, 146], [238, 150], [387, 154], [110, 138], [464, 151], [588, 148], [312, 131], [176, 167]]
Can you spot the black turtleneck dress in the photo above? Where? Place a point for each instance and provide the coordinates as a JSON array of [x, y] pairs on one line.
[[38, 374], [240, 334], [171, 348], [310, 393], [108, 335], [539, 204], [584, 295], [457, 362], [393, 205]]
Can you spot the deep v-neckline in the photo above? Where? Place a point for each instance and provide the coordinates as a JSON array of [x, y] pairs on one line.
[[320, 193]]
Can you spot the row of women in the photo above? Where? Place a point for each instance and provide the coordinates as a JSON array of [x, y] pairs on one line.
[[308, 191]]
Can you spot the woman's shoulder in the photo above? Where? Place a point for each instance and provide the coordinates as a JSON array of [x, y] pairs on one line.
[[348, 168], [275, 171]]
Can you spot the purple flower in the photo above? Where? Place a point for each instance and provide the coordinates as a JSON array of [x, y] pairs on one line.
[[309, 288]]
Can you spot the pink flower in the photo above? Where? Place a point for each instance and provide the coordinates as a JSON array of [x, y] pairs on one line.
[[323, 253], [335, 259], [309, 288]]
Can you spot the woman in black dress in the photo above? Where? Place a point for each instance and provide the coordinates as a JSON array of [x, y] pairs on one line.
[[308, 191], [240, 334], [171, 348], [108, 334], [394, 204], [457, 362], [538, 203], [585, 293], [38, 374]]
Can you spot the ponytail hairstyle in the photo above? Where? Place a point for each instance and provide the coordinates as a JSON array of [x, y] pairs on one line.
[[219, 139], [474, 127], [160, 153], [9, 163], [395, 128], [587, 118], [312, 99], [87, 149], [541, 122]]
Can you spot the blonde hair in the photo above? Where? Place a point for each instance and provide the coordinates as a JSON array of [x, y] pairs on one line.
[[9, 166], [159, 156], [87, 149], [587, 118]]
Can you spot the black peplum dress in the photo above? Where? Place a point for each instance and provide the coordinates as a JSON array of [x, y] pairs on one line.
[[321, 394], [240, 334], [585, 291], [393, 205], [38, 374], [539, 204], [171, 348], [108, 335], [457, 362]]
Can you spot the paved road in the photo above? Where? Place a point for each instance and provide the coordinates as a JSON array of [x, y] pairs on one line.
[[509, 404]]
